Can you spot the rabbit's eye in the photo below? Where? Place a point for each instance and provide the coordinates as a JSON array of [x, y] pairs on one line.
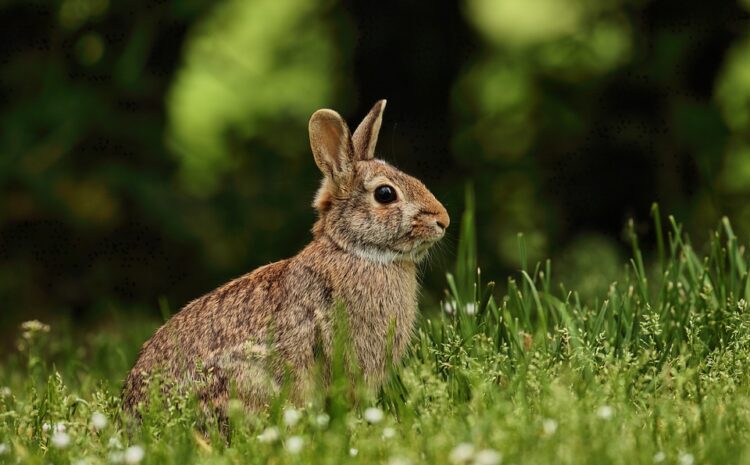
[[385, 194]]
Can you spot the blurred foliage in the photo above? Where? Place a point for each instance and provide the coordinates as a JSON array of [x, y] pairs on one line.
[[253, 70], [153, 150]]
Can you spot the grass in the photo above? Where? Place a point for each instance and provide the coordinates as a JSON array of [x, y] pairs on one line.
[[654, 371]]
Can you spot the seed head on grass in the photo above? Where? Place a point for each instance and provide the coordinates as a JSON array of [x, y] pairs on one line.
[[605, 412], [488, 457], [685, 458], [98, 421], [462, 453], [134, 455], [269, 435], [373, 415], [398, 460], [60, 439], [549, 426], [291, 416], [294, 444], [322, 420]]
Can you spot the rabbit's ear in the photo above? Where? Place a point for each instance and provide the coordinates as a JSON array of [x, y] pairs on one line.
[[331, 145], [366, 135]]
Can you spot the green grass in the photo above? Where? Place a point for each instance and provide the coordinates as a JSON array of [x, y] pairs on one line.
[[654, 371]]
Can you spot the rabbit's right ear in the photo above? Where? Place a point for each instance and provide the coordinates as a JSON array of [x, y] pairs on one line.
[[331, 145]]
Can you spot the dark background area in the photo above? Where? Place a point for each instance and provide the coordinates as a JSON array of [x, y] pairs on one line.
[[152, 150]]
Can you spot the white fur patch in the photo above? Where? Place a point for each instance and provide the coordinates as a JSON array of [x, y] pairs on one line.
[[382, 257]]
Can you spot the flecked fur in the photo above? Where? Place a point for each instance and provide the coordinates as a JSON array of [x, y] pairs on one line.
[[245, 336]]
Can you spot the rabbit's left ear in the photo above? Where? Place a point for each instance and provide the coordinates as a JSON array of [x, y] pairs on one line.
[[366, 135], [331, 145]]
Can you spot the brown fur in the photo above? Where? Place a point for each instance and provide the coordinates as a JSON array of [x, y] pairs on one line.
[[249, 333]]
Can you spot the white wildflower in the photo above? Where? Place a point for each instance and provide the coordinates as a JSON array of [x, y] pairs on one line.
[[134, 454], [399, 461], [270, 434], [60, 439], [471, 308], [488, 457], [98, 420], [116, 457], [685, 459], [353, 452], [389, 433], [46, 427], [4, 448], [659, 457], [294, 444], [291, 416], [605, 412], [60, 427], [373, 415], [114, 443], [322, 419], [462, 453], [549, 426], [448, 307]]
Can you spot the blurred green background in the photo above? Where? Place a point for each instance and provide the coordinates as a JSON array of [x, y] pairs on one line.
[[152, 150]]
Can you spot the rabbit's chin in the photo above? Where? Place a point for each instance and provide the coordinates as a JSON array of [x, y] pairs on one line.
[[415, 254]]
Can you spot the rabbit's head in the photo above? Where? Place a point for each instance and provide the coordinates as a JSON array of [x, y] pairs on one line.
[[366, 206]]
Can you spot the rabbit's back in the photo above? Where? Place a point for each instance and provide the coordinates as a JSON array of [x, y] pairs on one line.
[[224, 338]]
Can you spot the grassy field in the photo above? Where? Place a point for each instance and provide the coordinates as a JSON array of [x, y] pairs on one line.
[[655, 370]]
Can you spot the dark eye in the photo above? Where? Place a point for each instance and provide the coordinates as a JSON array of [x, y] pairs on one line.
[[385, 194]]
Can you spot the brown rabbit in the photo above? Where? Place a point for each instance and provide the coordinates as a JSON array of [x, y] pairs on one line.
[[375, 224]]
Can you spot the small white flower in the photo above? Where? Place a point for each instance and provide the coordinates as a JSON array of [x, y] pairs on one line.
[[46, 427], [549, 426], [294, 444], [399, 461], [322, 419], [353, 452], [462, 453], [686, 458], [98, 420], [605, 412], [471, 308], [60, 440], [114, 443], [373, 415], [488, 457], [4, 448], [448, 307], [134, 454], [5, 391], [116, 457], [270, 434], [291, 416], [659, 457], [389, 433], [60, 427]]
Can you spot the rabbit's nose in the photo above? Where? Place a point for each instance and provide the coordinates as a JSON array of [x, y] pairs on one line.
[[442, 219]]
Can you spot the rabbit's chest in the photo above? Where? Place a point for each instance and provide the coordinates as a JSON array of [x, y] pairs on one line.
[[382, 308]]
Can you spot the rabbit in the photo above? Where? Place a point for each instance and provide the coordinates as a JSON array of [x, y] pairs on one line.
[[374, 225]]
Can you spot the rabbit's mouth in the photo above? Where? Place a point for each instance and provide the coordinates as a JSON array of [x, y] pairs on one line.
[[420, 249]]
